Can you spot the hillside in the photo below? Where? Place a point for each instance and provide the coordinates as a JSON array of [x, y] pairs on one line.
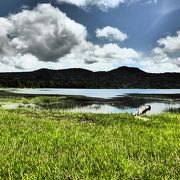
[[123, 77]]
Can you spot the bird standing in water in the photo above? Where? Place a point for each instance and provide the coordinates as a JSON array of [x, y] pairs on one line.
[[142, 110]]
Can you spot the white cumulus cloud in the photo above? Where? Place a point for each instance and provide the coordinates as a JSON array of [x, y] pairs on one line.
[[169, 44], [165, 57], [113, 51], [44, 32], [104, 5], [46, 37], [111, 33]]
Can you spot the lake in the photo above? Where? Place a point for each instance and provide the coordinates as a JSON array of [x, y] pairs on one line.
[[109, 100], [97, 93]]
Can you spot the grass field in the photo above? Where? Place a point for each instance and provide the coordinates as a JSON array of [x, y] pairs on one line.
[[36, 144]]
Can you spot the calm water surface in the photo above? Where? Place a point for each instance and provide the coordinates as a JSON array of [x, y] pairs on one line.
[[111, 100], [97, 93]]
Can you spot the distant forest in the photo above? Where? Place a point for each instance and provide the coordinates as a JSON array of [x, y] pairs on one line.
[[123, 77]]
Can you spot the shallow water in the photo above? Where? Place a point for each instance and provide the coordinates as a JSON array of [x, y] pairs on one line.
[[109, 100], [156, 108], [96, 93], [17, 105]]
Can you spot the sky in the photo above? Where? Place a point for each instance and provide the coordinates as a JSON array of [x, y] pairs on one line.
[[98, 35]]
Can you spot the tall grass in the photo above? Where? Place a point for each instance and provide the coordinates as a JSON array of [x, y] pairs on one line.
[[38, 144]]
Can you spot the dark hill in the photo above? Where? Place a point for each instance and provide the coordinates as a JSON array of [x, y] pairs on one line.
[[123, 77], [125, 69]]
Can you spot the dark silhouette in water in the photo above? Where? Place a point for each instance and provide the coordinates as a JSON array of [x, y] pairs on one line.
[[142, 110]]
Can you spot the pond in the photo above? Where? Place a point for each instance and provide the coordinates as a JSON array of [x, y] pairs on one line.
[[108, 100]]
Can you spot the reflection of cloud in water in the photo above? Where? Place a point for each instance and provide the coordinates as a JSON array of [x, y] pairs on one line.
[[156, 108], [96, 108], [18, 105], [162, 107], [98, 93]]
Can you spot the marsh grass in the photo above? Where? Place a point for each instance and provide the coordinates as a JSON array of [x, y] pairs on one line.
[[28, 100], [37, 144]]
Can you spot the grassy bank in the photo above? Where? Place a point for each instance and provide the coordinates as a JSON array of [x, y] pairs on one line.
[[11, 98], [38, 144]]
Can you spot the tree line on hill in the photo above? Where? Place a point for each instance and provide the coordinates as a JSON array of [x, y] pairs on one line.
[[123, 77]]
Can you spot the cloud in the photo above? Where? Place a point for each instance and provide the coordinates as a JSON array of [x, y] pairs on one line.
[[146, 2], [27, 61], [46, 37], [96, 57], [113, 51], [149, 2], [44, 32], [104, 5], [165, 57], [168, 50], [110, 33], [159, 65], [168, 45]]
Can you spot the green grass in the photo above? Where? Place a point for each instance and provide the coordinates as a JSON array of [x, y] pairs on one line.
[[38, 144], [27, 100]]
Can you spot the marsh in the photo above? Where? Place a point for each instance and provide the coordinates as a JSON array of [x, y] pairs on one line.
[[96, 100]]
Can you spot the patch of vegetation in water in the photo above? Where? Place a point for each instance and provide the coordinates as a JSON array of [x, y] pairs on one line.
[[80, 103], [174, 110], [157, 96], [39, 144], [7, 98]]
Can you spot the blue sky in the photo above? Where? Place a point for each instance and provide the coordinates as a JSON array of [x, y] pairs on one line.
[[140, 33]]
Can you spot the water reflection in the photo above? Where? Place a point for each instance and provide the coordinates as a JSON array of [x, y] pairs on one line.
[[115, 105], [94, 108], [108, 100], [95, 93]]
